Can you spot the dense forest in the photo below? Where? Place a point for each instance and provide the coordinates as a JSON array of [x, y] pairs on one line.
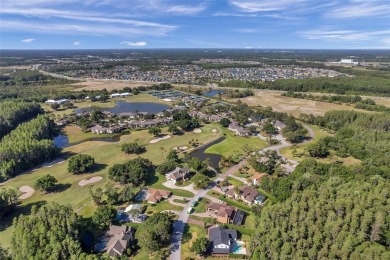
[[27, 146], [14, 113], [332, 220]]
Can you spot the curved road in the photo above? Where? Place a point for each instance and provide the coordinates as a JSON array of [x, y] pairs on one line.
[[178, 226]]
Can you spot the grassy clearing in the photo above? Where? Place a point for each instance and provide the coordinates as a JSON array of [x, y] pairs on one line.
[[191, 233], [234, 145], [204, 219], [289, 153], [295, 106], [298, 153], [202, 205], [163, 205]]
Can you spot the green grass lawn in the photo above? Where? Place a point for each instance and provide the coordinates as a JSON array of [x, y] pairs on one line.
[[204, 219], [163, 205], [180, 201], [234, 145], [235, 182], [202, 205], [106, 154], [191, 233]]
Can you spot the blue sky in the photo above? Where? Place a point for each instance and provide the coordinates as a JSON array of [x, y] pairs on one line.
[[98, 24]]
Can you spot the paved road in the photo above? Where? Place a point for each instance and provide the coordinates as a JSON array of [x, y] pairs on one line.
[[178, 226]]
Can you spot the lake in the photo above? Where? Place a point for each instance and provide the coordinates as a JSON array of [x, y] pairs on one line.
[[126, 107], [214, 92], [214, 158]]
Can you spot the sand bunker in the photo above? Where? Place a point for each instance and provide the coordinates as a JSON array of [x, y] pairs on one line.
[[197, 131], [159, 139], [84, 182], [214, 131], [27, 192], [183, 148]]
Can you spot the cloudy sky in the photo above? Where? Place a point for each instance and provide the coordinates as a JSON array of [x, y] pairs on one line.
[[75, 24]]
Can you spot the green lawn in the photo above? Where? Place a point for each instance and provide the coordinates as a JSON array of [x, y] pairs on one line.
[[202, 205], [106, 154], [163, 205], [235, 182], [235, 145], [191, 233], [204, 219]]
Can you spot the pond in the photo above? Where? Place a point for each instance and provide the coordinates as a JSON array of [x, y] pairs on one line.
[[214, 158], [62, 141], [126, 107], [213, 92]]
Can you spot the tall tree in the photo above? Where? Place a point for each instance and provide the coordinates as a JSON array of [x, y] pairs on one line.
[[49, 232]]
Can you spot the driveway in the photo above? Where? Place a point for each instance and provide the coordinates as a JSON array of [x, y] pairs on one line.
[[178, 226]]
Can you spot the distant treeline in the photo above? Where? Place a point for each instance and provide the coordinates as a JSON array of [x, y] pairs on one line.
[[14, 113], [361, 83], [357, 101], [29, 145], [30, 77]]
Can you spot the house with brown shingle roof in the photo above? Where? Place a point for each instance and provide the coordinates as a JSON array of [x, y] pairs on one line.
[[225, 214], [154, 196], [120, 238], [178, 174], [255, 179]]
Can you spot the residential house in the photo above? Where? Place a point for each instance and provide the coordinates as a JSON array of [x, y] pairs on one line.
[[149, 123], [247, 194], [222, 240], [98, 129], [120, 238], [60, 101], [279, 125], [225, 214], [154, 196], [255, 179], [237, 129], [178, 174]]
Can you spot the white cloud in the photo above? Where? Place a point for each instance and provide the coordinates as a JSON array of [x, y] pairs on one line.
[[76, 43], [73, 28], [264, 5], [137, 44], [340, 35], [361, 9], [29, 40]]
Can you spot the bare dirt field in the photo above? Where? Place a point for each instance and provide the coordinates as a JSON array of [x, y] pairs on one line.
[[295, 106]]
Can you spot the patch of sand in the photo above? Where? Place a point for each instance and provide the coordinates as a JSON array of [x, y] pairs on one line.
[[214, 131], [84, 182], [197, 131], [183, 148], [159, 139], [27, 192]]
